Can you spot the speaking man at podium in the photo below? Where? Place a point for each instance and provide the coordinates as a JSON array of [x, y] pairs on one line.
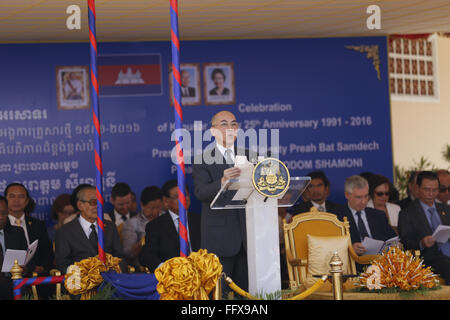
[[223, 232]]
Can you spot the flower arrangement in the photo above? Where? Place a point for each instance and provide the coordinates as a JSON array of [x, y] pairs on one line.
[[84, 277], [400, 270], [188, 278]]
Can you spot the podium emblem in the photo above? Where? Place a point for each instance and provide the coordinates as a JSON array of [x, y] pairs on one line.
[[270, 177]]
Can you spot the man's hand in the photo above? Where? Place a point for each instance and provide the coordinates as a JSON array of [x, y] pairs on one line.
[[230, 173], [359, 248], [428, 242]]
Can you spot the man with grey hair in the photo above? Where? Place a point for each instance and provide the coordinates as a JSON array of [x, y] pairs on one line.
[[364, 221]]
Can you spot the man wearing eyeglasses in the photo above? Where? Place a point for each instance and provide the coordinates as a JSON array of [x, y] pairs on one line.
[[418, 222], [78, 239], [223, 232], [444, 187]]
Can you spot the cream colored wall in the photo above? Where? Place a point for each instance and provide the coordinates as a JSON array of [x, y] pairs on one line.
[[423, 129]]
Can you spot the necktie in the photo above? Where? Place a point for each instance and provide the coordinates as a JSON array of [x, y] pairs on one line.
[[321, 209], [124, 218], [435, 222], [18, 222], [93, 238], [361, 227], [434, 218], [228, 158]]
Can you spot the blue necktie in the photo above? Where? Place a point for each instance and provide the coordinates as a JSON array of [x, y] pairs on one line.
[[435, 222], [361, 227]]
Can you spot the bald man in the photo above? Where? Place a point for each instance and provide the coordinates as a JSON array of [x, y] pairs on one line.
[[223, 232]]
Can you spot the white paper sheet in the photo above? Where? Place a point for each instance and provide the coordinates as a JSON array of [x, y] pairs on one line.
[[372, 246], [441, 234], [10, 256], [22, 256]]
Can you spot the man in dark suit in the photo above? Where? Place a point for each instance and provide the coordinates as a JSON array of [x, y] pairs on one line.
[[11, 237], [20, 206], [186, 90], [223, 231], [411, 190], [319, 189], [77, 239], [364, 221], [162, 240], [417, 223], [121, 199]]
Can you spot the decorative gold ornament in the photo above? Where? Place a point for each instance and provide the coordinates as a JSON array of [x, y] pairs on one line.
[[84, 277], [372, 53], [270, 177], [398, 269], [188, 278]]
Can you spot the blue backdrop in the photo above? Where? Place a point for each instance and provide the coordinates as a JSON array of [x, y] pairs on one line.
[[332, 111]]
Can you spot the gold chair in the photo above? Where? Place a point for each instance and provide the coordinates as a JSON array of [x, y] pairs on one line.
[[318, 224]]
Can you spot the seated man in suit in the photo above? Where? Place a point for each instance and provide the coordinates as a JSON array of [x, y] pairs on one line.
[[20, 207], [11, 237], [319, 189], [78, 239], [134, 229], [162, 240], [411, 190], [121, 199], [417, 223], [364, 221]]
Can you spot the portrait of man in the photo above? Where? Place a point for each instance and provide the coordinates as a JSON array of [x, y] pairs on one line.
[[72, 87], [219, 83], [190, 84]]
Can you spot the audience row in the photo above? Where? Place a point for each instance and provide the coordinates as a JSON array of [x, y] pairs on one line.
[[147, 237]]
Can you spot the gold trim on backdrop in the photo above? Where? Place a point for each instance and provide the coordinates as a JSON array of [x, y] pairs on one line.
[[372, 53]]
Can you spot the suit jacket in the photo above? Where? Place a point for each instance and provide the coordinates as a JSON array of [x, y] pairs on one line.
[[14, 238], [378, 224], [331, 207], [72, 244], [191, 92], [413, 226], [37, 230], [162, 241], [223, 231], [404, 203]]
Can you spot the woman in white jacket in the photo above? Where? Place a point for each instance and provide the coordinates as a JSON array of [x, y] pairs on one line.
[[379, 191]]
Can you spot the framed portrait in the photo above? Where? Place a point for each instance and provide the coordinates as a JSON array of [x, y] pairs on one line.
[[72, 87], [218, 81], [190, 84]]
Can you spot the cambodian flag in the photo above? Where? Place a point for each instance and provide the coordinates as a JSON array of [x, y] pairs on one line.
[[129, 75]]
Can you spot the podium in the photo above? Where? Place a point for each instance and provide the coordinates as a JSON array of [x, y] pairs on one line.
[[263, 249]]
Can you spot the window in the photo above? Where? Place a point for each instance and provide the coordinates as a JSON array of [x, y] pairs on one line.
[[412, 69]]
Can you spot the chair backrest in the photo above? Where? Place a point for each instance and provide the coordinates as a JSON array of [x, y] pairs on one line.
[[296, 242]]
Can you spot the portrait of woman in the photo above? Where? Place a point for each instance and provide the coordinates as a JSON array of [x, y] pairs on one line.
[[219, 83]]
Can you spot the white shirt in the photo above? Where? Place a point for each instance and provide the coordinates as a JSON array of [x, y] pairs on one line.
[[23, 224], [175, 219], [119, 219], [364, 219], [315, 204], [393, 211], [222, 150], [86, 226]]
